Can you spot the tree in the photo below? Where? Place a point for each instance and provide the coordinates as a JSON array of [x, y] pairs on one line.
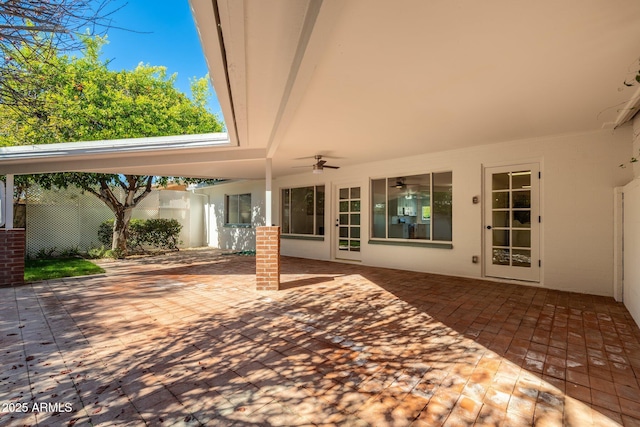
[[42, 25], [81, 99]]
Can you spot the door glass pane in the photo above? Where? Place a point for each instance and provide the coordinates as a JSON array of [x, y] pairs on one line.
[[521, 219], [521, 238], [511, 221], [500, 181], [521, 180], [522, 199], [349, 219], [500, 256], [500, 200], [521, 258], [500, 219], [500, 237]]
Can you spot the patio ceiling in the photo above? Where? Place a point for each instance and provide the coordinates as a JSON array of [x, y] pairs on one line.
[[369, 80]]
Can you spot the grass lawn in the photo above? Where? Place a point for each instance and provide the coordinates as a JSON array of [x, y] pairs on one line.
[[44, 269]]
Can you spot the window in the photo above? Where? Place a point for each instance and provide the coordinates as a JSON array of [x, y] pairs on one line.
[[412, 207], [303, 210], [238, 209]]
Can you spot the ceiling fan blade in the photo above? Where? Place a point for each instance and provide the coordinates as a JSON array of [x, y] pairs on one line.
[[321, 163], [331, 167]]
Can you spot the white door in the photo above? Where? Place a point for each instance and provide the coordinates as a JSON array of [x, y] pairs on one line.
[[348, 220], [512, 222]]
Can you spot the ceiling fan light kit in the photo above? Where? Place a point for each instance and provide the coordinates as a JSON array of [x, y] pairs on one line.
[[319, 165]]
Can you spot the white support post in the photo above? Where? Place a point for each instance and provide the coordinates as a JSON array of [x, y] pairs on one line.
[[8, 209], [268, 194]]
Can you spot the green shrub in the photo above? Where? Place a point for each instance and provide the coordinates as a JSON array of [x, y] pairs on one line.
[[72, 252], [105, 233], [157, 233], [114, 253], [97, 253], [46, 253], [161, 233], [53, 252]]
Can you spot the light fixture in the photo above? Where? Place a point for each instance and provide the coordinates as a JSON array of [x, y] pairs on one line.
[[317, 169]]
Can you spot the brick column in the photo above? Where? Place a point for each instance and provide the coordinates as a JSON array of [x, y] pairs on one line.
[[268, 258], [12, 248]]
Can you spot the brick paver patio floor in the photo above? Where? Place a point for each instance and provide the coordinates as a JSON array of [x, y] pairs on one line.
[[188, 341]]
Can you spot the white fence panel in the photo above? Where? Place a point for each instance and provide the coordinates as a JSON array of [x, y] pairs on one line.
[[69, 219]]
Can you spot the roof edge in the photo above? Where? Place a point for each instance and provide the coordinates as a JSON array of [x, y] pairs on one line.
[[117, 145]]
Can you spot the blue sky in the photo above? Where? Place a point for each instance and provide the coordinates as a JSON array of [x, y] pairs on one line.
[[161, 32]]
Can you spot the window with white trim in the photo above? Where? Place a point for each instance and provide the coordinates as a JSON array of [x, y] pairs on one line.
[[237, 209], [412, 207], [303, 210]]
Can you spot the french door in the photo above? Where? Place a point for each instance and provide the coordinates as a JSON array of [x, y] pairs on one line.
[[348, 223], [512, 222]]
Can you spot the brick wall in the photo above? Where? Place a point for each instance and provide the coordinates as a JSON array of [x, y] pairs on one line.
[[12, 247], [268, 258]]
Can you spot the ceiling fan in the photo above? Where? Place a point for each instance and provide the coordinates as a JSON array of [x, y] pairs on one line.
[[320, 164], [400, 184]]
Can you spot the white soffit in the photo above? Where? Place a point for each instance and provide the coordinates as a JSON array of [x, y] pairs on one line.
[[199, 156], [117, 146]]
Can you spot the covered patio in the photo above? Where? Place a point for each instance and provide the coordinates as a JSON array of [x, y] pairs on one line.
[[187, 340]]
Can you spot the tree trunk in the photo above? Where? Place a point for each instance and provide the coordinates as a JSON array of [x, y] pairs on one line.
[[121, 229]]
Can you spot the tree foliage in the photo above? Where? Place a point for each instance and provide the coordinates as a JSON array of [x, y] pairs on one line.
[[81, 99], [78, 98], [43, 27]]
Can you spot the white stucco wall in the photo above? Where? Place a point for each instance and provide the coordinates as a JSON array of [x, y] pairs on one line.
[[631, 284], [222, 236], [631, 291], [579, 173]]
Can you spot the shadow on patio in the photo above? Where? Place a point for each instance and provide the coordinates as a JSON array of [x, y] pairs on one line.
[[161, 343]]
